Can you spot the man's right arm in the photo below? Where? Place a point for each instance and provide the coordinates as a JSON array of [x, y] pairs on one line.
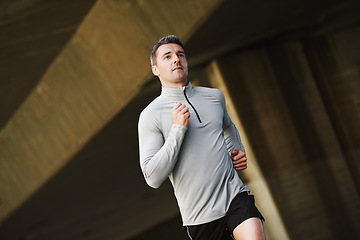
[[157, 155]]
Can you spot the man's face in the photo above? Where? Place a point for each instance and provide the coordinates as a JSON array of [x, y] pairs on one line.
[[171, 65]]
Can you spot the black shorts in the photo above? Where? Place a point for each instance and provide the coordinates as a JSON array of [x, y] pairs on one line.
[[242, 207]]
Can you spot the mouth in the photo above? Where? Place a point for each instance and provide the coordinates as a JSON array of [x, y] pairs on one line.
[[177, 68]]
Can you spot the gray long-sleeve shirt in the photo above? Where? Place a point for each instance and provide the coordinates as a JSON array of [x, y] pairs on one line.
[[195, 158]]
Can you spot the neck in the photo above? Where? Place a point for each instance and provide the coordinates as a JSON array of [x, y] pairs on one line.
[[175, 85]]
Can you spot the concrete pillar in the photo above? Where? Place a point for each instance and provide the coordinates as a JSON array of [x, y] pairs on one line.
[[334, 61], [290, 132], [252, 176], [97, 73]]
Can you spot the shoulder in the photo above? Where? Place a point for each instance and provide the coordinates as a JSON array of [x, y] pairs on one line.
[[150, 113], [211, 92]]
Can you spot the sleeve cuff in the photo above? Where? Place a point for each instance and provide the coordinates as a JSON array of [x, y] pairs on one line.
[[179, 128]]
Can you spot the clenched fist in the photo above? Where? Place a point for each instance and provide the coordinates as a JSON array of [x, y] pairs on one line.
[[180, 114], [239, 159]]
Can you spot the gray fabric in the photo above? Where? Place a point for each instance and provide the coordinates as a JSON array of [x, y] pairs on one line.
[[195, 158]]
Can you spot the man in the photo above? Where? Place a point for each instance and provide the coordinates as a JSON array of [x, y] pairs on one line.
[[186, 135]]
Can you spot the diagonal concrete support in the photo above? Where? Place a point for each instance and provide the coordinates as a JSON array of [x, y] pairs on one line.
[[253, 176], [94, 77]]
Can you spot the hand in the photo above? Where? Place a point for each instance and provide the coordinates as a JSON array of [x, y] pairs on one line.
[[239, 159], [180, 114]]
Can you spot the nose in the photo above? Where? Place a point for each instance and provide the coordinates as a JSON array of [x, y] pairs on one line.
[[176, 59]]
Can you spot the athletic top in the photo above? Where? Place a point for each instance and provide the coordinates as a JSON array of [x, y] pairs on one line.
[[196, 158]]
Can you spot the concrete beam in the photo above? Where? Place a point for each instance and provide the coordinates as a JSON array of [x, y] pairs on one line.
[[94, 77]]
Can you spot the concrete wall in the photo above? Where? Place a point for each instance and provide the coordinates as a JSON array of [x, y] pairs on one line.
[[299, 105]]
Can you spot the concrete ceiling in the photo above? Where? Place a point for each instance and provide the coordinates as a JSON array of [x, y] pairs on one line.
[[32, 34], [101, 194]]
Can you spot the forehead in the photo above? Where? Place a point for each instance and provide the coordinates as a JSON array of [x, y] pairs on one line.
[[169, 48]]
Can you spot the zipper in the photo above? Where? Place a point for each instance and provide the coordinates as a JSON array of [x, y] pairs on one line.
[[197, 115]]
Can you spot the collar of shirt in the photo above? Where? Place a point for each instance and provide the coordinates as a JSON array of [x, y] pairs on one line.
[[178, 93]]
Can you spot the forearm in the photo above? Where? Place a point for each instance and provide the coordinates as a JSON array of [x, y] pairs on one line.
[[231, 134], [157, 163], [232, 138]]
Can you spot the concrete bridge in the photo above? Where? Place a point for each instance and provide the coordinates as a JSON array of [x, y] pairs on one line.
[[74, 76]]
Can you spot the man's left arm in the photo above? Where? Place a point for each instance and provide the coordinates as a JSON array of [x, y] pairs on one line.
[[233, 141]]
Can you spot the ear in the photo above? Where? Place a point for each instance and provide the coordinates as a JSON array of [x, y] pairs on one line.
[[155, 70]]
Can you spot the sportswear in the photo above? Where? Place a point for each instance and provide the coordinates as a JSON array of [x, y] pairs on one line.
[[196, 158], [242, 207]]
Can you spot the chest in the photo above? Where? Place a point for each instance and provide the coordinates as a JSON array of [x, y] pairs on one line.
[[206, 114]]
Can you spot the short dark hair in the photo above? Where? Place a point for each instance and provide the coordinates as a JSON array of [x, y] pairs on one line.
[[164, 40]]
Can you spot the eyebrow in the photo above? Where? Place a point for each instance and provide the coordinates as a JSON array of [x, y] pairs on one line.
[[170, 52]]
